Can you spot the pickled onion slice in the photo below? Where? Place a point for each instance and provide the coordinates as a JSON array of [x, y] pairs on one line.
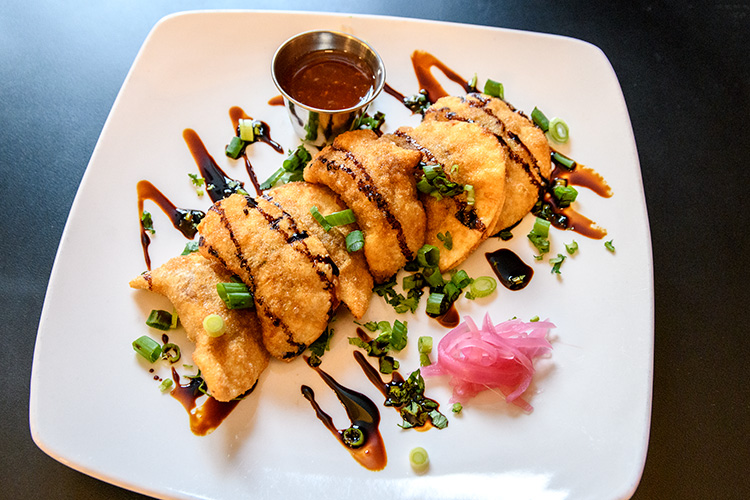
[[497, 356]]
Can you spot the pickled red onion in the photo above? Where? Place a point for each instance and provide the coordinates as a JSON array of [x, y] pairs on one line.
[[492, 357]]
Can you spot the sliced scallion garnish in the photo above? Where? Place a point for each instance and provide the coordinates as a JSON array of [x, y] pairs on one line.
[[434, 303], [147, 347], [235, 295], [171, 352], [159, 319], [165, 385], [353, 437], [247, 129], [563, 161], [540, 119], [494, 89], [341, 218], [559, 131], [355, 241], [428, 256], [483, 286], [320, 218], [424, 344], [419, 460], [214, 325], [234, 148]]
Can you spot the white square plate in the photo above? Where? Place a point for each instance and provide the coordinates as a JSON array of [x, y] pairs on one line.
[[96, 408]]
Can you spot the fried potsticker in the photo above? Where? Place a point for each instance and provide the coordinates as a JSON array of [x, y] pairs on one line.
[[291, 275], [375, 178], [230, 364], [529, 166], [355, 281], [470, 156]]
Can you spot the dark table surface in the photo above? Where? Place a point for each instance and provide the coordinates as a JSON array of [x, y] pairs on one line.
[[684, 69]]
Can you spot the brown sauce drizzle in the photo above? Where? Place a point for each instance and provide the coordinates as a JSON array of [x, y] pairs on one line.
[[363, 415], [205, 418], [583, 176], [218, 184], [450, 318], [512, 272], [423, 63], [392, 92], [184, 220], [276, 100]]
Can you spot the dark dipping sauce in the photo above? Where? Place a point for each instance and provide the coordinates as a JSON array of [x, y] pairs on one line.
[[512, 272], [364, 416], [205, 418], [329, 80]]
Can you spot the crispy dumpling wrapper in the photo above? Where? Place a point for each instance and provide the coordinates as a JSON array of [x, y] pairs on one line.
[[291, 275], [375, 178], [528, 168], [230, 364], [355, 281], [470, 155]]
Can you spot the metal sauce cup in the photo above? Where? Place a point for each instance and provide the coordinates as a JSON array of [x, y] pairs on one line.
[[314, 125]]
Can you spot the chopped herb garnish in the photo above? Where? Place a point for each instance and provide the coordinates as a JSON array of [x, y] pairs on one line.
[[391, 338], [538, 235], [321, 219], [417, 103], [563, 161], [147, 222], [457, 407], [320, 346], [539, 119], [341, 218], [355, 241], [556, 263], [235, 295], [171, 352], [159, 319], [505, 234], [571, 247], [428, 256], [372, 122], [565, 195], [190, 247], [353, 437], [472, 84], [559, 131], [534, 319], [481, 287], [147, 347], [415, 409], [235, 147], [165, 385], [419, 460], [494, 89], [291, 170], [214, 325], [609, 246], [435, 183], [446, 239]]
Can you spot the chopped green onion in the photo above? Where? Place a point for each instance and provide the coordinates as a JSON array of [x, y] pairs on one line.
[[609, 246], [234, 148], [483, 286], [424, 359], [165, 385], [387, 364], [447, 240], [399, 335], [171, 352], [473, 83], [556, 263], [428, 256], [341, 218], [559, 131], [540, 119], [147, 347], [424, 344], [563, 161], [147, 222], [538, 235], [572, 247], [235, 295], [494, 89], [469, 194], [190, 247], [534, 319], [353, 437], [320, 218], [248, 129], [355, 241], [214, 325], [175, 319], [434, 303], [457, 407], [461, 279], [565, 195], [159, 319], [419, 460], [433, 276]]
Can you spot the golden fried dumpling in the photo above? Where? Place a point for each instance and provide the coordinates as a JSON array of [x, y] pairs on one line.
[[470, 156], [355, 281], [230, 364], [289, 271], [529, 167], [375, 178]]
